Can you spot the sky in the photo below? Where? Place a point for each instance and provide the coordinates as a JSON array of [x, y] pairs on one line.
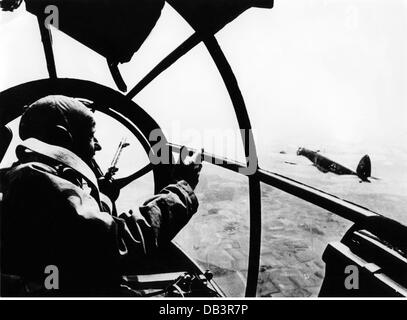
[[314, 73]]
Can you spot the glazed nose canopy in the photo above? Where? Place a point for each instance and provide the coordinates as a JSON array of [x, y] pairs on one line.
[[113, 28]]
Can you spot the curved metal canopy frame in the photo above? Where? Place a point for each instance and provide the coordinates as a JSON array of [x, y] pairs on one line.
[[130, 114]]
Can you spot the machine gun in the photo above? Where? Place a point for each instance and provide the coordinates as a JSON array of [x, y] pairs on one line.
[[113, 166]]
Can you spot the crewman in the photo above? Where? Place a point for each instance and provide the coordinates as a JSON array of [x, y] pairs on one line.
[[54, 217]]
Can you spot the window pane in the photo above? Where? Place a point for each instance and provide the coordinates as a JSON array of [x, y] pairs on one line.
[[294, 236], [191, 104], [110, 132], [170, 31], [22, 56], [83, 63], [75, 60], [328, 76], [217, 237]]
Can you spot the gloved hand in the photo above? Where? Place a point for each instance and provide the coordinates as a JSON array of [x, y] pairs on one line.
[[108, 186], [189, 167]]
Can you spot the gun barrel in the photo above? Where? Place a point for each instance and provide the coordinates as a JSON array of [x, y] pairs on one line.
[[123, 144]]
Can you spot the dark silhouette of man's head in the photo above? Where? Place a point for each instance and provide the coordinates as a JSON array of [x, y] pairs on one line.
[[61, 121]]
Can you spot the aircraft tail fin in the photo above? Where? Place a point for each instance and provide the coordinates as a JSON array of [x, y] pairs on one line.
[[364, 169]]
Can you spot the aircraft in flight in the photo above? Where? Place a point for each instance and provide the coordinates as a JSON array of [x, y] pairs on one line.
[[324, 164]]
